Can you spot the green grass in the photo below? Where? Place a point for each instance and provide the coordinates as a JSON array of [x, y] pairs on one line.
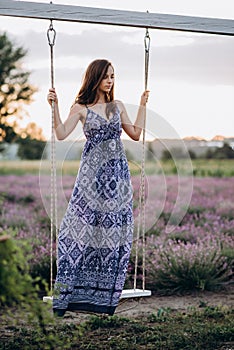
[[213, 167], [200, 167], [207, 328]]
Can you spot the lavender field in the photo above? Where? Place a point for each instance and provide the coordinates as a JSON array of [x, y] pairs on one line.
[[191, 249]]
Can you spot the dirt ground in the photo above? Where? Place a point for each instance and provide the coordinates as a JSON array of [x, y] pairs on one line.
[[135, 308]]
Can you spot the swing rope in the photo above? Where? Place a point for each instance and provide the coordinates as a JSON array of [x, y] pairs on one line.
[[141, 218], [51, 35]]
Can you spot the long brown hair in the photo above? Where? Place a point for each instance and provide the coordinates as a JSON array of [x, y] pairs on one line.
[[95, 73]]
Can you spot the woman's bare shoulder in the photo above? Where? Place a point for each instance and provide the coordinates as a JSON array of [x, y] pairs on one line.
[[78, 108], [120, 105]]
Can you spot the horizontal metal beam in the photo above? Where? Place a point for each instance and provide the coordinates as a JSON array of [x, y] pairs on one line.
[[116, 17]]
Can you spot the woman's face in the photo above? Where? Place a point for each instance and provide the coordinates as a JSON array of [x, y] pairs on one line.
[[108, 81]]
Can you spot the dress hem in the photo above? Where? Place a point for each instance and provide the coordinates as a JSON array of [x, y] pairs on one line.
[[102, 309]]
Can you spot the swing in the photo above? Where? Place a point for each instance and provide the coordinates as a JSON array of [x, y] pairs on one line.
[[126, 293], [137, 293]]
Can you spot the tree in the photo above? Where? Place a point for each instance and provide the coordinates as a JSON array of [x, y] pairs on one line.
[[224, 152], [150, 155], [166, 155], [31, 130], [30, 148], [177, 153], [15, 90], [31, 142], [192, 154]]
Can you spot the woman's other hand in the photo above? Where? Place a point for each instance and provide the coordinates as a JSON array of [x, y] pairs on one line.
[[52, 96], [144, 97]]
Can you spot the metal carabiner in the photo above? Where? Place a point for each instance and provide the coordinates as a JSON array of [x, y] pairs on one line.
[[51, 34], [147, 41]]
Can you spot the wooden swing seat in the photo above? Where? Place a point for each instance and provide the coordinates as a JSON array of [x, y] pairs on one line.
[[135, 293], [126, 293]]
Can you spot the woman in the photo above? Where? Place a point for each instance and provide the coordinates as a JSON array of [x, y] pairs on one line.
[[95, 235]]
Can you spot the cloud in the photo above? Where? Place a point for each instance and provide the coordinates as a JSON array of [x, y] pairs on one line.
[[41, 76], [206, 59]]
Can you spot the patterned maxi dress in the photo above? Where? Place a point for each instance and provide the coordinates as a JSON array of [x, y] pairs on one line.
[[95, 236]]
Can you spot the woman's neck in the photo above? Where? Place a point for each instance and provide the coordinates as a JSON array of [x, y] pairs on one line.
[[100, 101], [101, 98]]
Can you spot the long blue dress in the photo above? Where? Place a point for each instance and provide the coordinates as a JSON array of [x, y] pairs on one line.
[[96, 232]]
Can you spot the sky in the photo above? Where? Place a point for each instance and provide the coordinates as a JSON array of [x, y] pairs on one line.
[[191, 76]]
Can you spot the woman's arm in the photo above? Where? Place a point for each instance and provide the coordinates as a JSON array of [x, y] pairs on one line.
[[62, 130], [134, 130]]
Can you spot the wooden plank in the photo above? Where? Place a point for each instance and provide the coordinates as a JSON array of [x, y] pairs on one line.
[[126, 293], [116, 17], [135, 293], [48, 299]]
